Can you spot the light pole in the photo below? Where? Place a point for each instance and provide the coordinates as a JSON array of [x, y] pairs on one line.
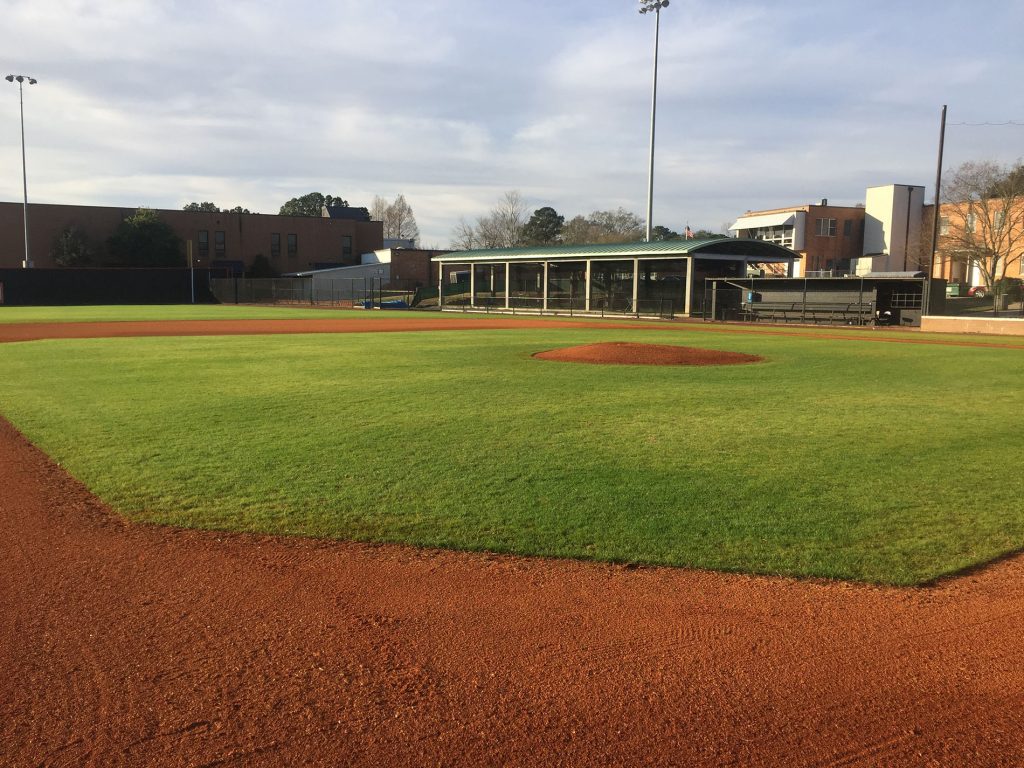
[[24, 175], [646, 6]]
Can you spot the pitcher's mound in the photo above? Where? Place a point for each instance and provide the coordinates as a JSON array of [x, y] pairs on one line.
[[628, 353]]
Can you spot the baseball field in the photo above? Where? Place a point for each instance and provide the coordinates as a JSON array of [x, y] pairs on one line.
[[884, 457], [854, 459]]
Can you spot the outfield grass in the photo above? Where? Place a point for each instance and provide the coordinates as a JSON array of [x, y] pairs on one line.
[[891, 463]]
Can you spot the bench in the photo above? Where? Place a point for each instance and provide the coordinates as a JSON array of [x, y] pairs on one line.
[[797, 312]]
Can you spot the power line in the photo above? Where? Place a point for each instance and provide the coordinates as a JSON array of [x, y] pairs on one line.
[[1018, 123]]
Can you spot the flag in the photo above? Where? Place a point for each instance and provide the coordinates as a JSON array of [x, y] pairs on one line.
[[688, 234]]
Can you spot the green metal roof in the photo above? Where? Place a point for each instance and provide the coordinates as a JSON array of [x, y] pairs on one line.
[[714, 246]]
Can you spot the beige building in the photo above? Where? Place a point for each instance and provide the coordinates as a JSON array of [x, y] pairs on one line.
[[228, 241]]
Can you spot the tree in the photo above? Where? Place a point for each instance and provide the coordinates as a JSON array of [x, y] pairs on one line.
[[618, 226], [501, 228], [207, 207], [398, 218], [544, 227], [143, 240], [982, 225], [71, 249], [463, 236], [378, 208], [659, 233], [310, 205], [707, 234], [508, 219]]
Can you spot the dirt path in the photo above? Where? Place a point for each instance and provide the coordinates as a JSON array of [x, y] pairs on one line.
[[135, 645]]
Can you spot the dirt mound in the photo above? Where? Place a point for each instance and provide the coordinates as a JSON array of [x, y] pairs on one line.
[[630, 353]]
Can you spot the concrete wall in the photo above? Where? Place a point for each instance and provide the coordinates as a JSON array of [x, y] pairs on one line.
[[1008, 326]]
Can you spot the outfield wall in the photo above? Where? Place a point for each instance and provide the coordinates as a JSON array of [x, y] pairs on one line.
[[1002, 326], [72, 286]]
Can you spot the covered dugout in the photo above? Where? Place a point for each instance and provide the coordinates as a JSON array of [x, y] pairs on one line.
[[662, 279], [885, 298]]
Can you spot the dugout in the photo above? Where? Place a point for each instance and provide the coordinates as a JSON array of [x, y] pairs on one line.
[[658, 279], [891, 298]]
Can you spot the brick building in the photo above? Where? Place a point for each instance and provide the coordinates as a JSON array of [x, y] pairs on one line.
[[228, 241], [827, 237]]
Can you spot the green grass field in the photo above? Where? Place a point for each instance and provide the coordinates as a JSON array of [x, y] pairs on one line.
[[890, 463]]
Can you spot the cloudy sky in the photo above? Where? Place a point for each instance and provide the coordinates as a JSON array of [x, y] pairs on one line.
[[453, 102]]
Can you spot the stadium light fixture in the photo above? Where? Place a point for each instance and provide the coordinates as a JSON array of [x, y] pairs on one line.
[[646, 6], [21, 79]]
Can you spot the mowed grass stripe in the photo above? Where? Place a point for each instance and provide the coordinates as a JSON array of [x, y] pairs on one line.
[[880, 462]]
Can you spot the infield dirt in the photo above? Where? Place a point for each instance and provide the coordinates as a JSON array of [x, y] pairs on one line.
[[630, 353], [124, 644]]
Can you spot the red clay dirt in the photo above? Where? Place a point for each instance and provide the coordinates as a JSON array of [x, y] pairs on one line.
[[128, 645], [437, 322], [134, 645], [630, 353]]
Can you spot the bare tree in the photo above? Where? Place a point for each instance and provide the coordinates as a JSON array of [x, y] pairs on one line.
[[501, 228], [982, 225], [397, 217], [399, 221], [379, 209], [463, 236], [510, 217]]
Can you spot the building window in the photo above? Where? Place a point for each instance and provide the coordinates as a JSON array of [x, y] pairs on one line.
[[997, 220], [779, 235], [218, 243], [826, 227], [943, 225], [204, 242], [346, 246], [293, 246], [969, 224], [847, 227], [275, 245]]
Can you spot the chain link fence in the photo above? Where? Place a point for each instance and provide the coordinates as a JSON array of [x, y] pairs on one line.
[[369, 292]]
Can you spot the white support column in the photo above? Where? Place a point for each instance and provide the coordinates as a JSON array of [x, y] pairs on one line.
[[587, 304], [689, 286], [508, 282], [544, 303], [636, 285], [440, 285], [472, 285]]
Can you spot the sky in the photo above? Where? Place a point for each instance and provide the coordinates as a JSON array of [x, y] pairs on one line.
[[454, 102]]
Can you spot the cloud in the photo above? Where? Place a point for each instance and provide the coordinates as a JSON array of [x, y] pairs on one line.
[[454, 102]]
